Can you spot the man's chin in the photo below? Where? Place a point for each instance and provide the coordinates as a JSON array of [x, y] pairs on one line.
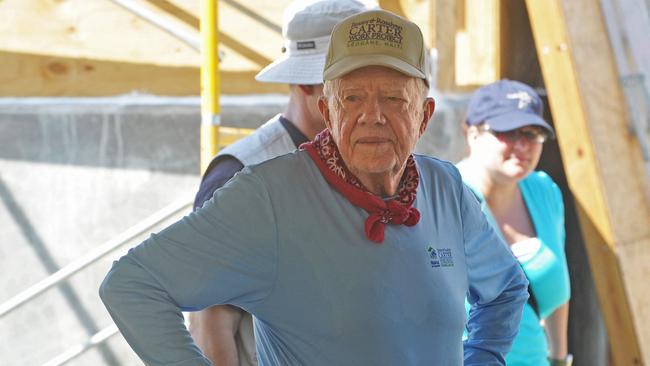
[[378, 167]]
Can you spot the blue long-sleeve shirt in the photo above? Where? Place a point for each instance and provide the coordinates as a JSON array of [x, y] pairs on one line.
[[282, 244]]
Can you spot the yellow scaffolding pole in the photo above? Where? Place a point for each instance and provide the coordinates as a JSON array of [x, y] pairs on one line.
[[210, 83]]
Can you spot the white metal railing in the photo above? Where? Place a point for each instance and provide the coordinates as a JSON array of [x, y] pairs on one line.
[[94, 255], [106, 248], [77, 350]]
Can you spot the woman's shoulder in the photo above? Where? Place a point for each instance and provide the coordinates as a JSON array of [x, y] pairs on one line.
[[540, 181], [540, 188]]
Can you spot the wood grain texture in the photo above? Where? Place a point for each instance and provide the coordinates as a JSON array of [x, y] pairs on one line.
[[478, 43], [97, 48], [601, 161], [33, 75], [634, 259], [617, 149], [444, 40]]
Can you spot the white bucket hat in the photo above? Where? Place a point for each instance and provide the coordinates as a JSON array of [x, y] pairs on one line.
[[306, 29]]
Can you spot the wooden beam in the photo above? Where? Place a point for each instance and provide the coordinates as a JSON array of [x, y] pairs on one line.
[[394, 6], [478, 43], [34, 75], [78, 48], [603, 164], [444, 40], [467, 36]]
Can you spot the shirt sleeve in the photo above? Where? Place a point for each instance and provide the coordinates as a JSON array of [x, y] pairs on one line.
[[223, 253], [497, 288], [220, 170]]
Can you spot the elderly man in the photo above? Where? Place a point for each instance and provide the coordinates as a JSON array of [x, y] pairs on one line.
[[352, 251], [224, 332]]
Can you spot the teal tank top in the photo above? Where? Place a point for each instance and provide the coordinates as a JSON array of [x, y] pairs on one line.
[[544, 262]]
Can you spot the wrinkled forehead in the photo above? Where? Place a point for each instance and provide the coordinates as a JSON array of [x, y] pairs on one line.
[[376, 77], [376, 72]]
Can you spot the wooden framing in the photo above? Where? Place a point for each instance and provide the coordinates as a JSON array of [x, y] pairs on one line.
[[38, 75], [478, 42], [603, 164], [467, 36], [48, 50], [97, 48], [444, 40]]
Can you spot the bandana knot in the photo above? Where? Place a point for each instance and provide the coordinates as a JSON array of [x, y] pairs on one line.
[[397, 211], [385, 217]]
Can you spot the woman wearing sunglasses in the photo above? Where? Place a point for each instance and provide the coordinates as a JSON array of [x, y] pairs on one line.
[[506, 133]]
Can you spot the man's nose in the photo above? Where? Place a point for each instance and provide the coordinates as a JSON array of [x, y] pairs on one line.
[[372, 112]]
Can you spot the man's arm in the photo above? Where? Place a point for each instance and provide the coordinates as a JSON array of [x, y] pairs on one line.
[[497, 289], [209, 257], [220, 170], [214, 329]]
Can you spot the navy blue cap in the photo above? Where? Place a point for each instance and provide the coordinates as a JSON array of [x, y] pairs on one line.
[[506, 105]]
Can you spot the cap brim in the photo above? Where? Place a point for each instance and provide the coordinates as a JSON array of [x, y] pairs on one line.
[[306, 69], [351, 63], [514, 120]]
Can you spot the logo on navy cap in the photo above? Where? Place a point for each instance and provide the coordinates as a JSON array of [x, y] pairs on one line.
[[524, 98]]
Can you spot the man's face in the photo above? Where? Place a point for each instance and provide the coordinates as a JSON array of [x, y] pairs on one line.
[[316, 93], [376, 116]]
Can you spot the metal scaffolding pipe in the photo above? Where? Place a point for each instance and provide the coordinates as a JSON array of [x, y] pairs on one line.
[[210, 83], [160, 22]]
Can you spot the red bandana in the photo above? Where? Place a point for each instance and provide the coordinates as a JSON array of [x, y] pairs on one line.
[[327, 158]]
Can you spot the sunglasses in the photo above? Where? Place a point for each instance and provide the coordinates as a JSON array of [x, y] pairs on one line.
[[531, 134]]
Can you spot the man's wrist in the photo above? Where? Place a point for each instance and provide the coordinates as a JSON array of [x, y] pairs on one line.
[[566, 361]]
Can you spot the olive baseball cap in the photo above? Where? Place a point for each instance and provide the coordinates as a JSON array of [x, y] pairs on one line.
[[376, 38]]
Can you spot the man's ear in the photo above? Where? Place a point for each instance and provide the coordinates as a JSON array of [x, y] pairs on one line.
[[428, 108], [325, 111]]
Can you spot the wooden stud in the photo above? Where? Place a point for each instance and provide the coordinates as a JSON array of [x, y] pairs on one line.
[[478, 43], [34, 75], [603, 164], [49, 49], [444, 40]]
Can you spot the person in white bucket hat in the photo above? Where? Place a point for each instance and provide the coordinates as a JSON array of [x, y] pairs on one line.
[[224, 332], [307, 26]]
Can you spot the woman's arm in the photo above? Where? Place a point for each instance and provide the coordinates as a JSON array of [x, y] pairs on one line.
[[556, 332]]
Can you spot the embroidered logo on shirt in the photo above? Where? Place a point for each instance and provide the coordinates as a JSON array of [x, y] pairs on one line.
[[440, 257]]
